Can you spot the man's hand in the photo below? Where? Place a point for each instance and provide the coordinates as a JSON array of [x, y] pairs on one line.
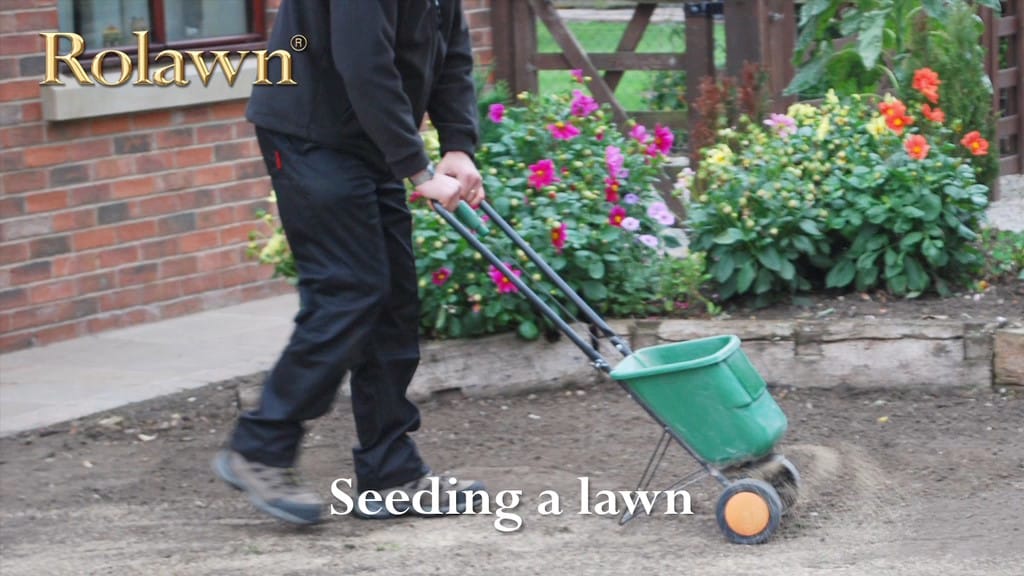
[[442, 188], [460, 166]]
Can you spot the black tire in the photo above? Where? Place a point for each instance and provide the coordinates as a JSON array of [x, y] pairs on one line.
[[758, 530]]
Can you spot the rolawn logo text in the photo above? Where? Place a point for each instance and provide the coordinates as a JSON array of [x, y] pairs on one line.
[[172, 73]]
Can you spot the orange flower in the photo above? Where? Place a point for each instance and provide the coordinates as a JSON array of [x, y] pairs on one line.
[[975, 143], [934, 114], [898, 123], [926, 81], [917, 147], [892, 108]]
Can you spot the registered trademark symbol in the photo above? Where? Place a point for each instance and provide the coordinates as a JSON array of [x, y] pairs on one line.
[[299, 43]]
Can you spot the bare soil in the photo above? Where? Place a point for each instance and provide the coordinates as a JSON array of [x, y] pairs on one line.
[[908, 482]]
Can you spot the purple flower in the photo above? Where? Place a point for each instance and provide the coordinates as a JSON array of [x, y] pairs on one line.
[[648, 240], [782, 125], [631, 224], [496, 113], [639, 133], [583, 105], [665, 218], [578, 75], [615, 161], [631, 199], [657, 208]]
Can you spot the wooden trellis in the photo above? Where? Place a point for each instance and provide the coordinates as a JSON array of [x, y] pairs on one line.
[[1005, 63]]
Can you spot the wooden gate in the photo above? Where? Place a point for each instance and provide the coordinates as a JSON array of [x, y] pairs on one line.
[[1005, 63]]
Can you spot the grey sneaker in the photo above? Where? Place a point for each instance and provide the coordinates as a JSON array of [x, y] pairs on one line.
[[469, 495], [276, 491]]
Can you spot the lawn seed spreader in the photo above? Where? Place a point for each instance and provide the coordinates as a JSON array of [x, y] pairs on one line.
[[704, 393]]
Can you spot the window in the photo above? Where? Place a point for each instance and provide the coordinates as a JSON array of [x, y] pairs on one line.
[[172, 23]]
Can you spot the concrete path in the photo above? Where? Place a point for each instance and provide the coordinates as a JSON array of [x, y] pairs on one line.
[[43, 386]]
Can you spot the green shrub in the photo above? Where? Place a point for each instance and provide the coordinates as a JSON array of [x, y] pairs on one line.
[[834, 197], [1003, 251]]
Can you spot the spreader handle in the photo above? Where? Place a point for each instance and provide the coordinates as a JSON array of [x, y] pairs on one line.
[[471, 219]]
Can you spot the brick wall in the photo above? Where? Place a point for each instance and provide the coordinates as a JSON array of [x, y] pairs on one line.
[[114, 221]]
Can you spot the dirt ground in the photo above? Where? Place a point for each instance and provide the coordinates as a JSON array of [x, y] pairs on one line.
[[894, 483]]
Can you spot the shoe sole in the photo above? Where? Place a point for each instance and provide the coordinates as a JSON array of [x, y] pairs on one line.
[[223, 471], [383, 514]]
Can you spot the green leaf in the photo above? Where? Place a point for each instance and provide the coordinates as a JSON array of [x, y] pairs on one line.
[[671, 241], [869, 41], [866, 277], [528, 330], [596, 270], [723, 268], [558, 262], [745, 278], [841, 274], [993, 4], [898, 284], [770, 259], [917, 278], [809, 75], [910, 240], [934, 253], [935, 8], [764, 281], [931, 205], [729, 236], [810, 227], [787, 271], [594, 290]]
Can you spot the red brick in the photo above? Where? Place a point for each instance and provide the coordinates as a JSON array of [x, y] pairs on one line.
[[175, 138], [198, 198], [235, 150], [192, 115], [19, 136], [241, 191], [181, 307], [243, 275], [46, 201], [142, 186], [156, 205], [52, 291], [113, 168], [12, 160], [181, 266], [229, 110], [26, 227], [74, 219], [69, 175], [73, 130], [35, 271], [120, 256], [237, 234], [149, 120], [33, 19], [14, 252], [154, 162], [244, 130], [121, 299], [75, 264], [250, 169], [59, 333], [90, 194], [111, 125], [197, 241], [11, 207], [19, 90], [13, 298], [177, 180], [161, 291], [94, 238], [162, 248], [220, 259], [193, 156], [214, 133], [90, 149], [24, 181], [133, 231], [137, 274], [213, 175], [11, 342], [45, 155], [200, 283], [215, 217], [42, 315], [100, 282], [32, 111]]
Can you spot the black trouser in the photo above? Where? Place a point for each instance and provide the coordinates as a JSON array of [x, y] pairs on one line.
[[351, 233]]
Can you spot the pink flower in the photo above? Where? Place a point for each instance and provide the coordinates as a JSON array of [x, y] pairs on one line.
[[542, 174], [631, 199], [631, 224], [657, 208], [558, 236], [496, 113], [441, 276], [661, 214], [639, 133], [782, 125], [505, 286], [617, 215], [583, 105], [563, 131], [615, 161], [600, 135], [578, 75], [663, 139], [611, 190], [648, 240]]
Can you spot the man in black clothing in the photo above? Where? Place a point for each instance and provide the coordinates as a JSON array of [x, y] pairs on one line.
[[338, 146]]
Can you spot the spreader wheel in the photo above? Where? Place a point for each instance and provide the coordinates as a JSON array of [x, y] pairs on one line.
[[778, 471], [749, 511]]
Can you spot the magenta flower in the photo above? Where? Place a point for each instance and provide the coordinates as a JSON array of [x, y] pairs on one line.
[[542, 174], [563, 131], [617, 215], [505, 286], [639, 133], [631, 224], [441, 276], [496, 112], [648, 240], [782, 125], [558, 236], [583, 105], [578, 75], [611, 190], [615, 162], [631, 199], [663, 139]]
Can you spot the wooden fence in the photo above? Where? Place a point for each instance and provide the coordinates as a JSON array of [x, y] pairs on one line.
[[762, 31]]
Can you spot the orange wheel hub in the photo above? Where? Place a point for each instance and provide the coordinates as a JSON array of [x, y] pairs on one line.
[[747, 513]]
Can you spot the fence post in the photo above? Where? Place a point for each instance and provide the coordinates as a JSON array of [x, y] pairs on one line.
[[762, 32], [515, 42], [700, 53]]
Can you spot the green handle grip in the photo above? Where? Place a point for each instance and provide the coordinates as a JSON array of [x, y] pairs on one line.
[[471, 219]]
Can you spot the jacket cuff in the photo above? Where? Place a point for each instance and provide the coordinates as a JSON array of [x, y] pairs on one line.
[[410, 165], [458, 141]]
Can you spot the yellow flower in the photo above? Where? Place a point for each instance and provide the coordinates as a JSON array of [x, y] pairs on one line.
[[719, 155], [877, 126], [823, 128], [801, 111], [831, 97]]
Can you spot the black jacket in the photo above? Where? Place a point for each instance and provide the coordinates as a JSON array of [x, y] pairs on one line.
[[370, 70]]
